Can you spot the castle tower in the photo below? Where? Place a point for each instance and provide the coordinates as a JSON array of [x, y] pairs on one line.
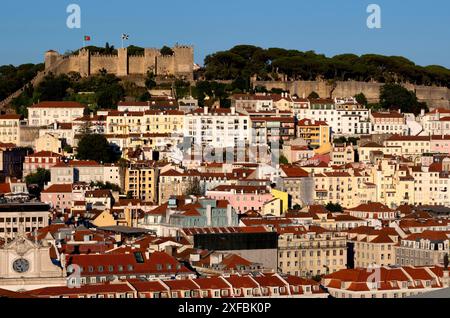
[[150, 56], [51, 57], [184, 61], [122, 62], [84, 59]]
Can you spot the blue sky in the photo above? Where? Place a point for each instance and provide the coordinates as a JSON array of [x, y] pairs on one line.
[[416, 29]]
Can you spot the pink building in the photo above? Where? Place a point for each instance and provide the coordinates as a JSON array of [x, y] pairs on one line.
[[61, 196], [440, 144], [242, 198], [42, 159]]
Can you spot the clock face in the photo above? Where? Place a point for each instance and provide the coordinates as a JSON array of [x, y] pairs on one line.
[[21, 265]]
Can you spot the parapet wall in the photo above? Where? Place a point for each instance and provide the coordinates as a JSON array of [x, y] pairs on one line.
[[432, 95]]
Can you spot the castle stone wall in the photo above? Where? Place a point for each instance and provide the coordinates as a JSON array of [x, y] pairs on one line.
[[180, 64], [107, 62], [136, 64], [433, 96]]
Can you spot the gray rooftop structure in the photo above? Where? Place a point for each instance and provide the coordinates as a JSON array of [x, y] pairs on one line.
[[441, 293]]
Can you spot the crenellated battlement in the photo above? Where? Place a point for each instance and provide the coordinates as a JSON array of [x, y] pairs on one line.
[[180, 64]]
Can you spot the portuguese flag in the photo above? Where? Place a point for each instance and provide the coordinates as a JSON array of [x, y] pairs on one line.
[[87, 38]]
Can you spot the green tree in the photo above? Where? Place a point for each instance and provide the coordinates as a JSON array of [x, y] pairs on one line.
[[246, 61], [36, 181], [145, 97], [68, 149], [96, 147], [395, 97], [150, 82], [361, 99], [12, 78], [313, 95], [165, 50], [106, 186], [182, 88], [135, 50], [334, 207], [194, 187], [283, 160], [52, 88]]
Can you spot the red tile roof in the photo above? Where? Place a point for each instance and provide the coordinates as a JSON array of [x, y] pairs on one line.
[[10, 117], [59, 188], [371, 207], [44, 154], [293, 171], [60, 104]]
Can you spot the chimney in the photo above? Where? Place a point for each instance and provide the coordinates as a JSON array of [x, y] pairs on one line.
[[205, 110], [208, 215], [170, 250], [233, 110], [229, 215]]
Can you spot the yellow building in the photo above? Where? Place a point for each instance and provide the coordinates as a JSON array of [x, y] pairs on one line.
[[163, 122], [374, 247], [284, 197], [48, 142], [411, 146], [105, 218], [10, 129], [312, 251], [124, 123], [395, 182], [149, 121], [272, 207], [315, 132], [141, 181], [349, 187]]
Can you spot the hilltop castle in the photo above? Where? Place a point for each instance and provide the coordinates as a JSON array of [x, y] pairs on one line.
[[180, 64]]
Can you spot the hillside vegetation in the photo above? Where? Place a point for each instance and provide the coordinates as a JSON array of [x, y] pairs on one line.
[[245, 61], [13, 78]]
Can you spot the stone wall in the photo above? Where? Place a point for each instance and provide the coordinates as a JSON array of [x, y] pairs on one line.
[[180, 64], [28, 135], [433, 96]]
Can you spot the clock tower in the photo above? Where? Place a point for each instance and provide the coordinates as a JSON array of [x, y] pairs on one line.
[[26, 265]]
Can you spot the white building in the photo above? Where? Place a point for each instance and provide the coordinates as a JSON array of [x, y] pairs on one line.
[[84, 171], [46, 113], [217, 127], [344, 118]]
